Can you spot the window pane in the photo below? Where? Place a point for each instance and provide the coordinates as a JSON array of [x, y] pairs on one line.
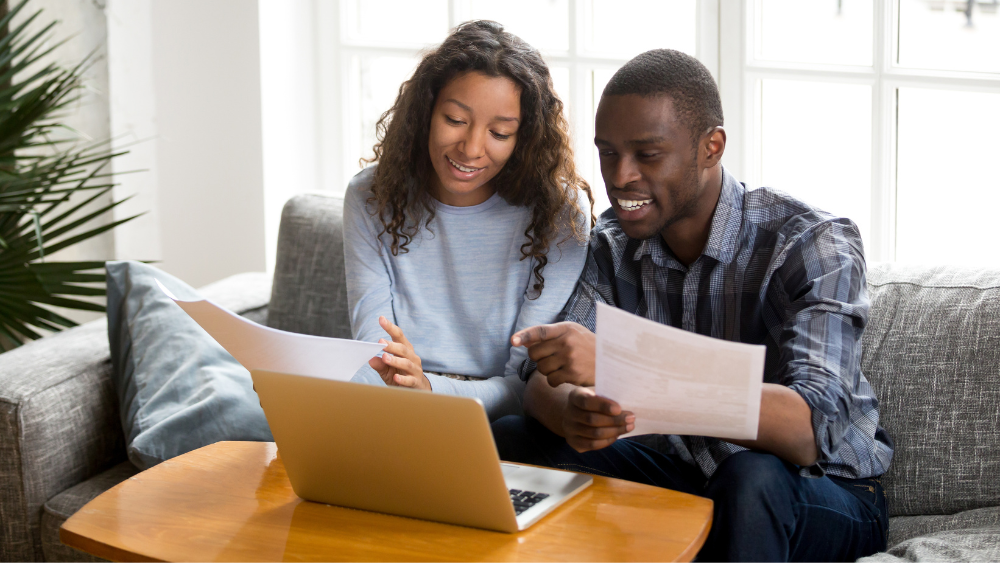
[[542, 23], [947, 193], [396, 22], [591, 170], [816, 145], [952, 35], [815, 31], [625, 28], [560, 81], [375, 82]]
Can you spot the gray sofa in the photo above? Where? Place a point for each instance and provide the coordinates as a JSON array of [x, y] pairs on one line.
[[932, 352]]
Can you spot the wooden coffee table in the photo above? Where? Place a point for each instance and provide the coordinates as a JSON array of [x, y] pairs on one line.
[[232, 501]]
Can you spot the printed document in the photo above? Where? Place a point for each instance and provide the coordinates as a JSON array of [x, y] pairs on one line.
[[260, 347], [675, 381]]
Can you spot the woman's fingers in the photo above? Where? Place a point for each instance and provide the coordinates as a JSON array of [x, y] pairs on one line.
[[394, 331], [397, 349], [403, 365], [403, 380]]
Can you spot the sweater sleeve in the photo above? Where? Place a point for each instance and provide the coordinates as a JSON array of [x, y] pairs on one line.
[[500, 395], [369, 281]]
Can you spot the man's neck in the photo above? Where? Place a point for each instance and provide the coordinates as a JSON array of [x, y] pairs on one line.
[[687, 238]]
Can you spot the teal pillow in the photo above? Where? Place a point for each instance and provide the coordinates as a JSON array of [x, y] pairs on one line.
[[178, 389]]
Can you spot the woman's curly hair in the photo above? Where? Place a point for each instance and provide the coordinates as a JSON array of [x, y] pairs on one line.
[[540, 173]]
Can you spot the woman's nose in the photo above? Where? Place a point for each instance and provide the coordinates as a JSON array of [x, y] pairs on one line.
[[474, 144]]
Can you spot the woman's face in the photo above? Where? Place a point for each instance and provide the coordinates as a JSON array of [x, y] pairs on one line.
[[473, 133]]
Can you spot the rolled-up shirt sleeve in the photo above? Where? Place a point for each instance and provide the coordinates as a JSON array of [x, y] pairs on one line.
[[823, 306]]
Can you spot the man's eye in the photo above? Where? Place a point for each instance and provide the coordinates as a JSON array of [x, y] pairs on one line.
[[647, 154], [500, 136]]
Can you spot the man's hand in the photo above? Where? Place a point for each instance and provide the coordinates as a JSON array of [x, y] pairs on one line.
[[399, 365], [591, 422], [563, 351]]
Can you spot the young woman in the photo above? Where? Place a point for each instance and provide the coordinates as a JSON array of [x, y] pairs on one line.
[[473, 224]]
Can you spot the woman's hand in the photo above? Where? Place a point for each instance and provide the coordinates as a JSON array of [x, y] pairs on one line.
[[399, 365]]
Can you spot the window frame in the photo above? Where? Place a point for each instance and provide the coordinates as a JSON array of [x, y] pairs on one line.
[[740, 76], [336, 51]]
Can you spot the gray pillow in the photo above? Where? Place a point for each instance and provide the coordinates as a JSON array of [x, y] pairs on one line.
[[178, 389]]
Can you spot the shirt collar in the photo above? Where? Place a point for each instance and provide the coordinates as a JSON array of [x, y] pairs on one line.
[[723, 237], [727, 221]]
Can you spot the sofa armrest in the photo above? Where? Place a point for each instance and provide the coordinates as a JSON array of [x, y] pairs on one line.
[[59, 421], [58, 426], [245, 294]]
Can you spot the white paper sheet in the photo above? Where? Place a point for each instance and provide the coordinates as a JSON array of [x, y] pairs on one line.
[[678, 382], [260, 347]]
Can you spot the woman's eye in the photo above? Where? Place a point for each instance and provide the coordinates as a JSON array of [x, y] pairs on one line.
[[500, 136], [452, 120]]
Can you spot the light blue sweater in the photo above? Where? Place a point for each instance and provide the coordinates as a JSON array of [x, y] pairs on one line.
[[459, 294]]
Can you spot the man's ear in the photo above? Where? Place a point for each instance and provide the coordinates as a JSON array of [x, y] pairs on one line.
[[713, 144]]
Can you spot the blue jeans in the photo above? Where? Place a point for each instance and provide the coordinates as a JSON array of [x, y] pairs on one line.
[[764, 510]]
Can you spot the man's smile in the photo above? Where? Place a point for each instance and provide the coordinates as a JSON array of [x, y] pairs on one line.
[[632, 204]]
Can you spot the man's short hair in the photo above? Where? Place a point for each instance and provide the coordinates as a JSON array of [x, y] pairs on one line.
[[665, 72]]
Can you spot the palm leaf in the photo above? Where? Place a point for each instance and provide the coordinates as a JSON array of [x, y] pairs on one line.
[[50, 182]]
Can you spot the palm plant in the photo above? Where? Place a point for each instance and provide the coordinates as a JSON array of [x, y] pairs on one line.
[[43, 164]]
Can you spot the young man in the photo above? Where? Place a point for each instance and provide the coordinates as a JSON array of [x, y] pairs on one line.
[[687, 245]]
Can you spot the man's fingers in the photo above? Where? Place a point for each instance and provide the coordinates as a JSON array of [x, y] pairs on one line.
[[584, 398], [565, 375], [583, 445], [534, 335], [548, 366], [596, 419], [595, 432]]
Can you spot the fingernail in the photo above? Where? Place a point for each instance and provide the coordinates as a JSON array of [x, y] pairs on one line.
[[386, 356], [629, 427], [516, 341], [382, 341], [630, 419]]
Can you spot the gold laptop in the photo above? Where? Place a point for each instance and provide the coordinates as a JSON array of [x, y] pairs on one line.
[[403, 452]]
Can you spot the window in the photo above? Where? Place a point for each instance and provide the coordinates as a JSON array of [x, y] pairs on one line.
[[885, 111], [371, 47]]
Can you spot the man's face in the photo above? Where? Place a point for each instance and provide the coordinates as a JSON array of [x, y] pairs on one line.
[[649, 163]]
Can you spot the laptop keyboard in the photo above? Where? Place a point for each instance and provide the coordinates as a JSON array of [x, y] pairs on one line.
[[523, 500]]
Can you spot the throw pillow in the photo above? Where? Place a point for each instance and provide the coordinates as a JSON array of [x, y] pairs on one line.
[[178, 389]]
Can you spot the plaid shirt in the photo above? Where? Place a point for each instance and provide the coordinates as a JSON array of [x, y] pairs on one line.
[[774, 272]]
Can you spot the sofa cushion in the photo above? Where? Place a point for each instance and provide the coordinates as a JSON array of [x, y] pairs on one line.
[[955, 546], [178, 389], [902, 528], [65, 504], [932, 352], [309, 295]]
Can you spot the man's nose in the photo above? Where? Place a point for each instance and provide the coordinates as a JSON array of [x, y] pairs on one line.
[[625, 172]]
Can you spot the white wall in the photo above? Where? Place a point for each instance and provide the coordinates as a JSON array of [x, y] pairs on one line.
[[290, 107], [185, 98]]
